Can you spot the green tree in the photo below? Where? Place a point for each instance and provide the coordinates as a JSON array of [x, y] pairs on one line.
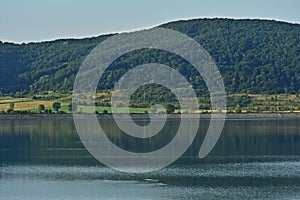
[[153, 109], [11, 106], [238, 108], [170, 109], [56, 106], [41, 108], [70, 107]]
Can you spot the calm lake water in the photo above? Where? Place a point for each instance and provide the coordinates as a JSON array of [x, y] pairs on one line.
[[254, 159]]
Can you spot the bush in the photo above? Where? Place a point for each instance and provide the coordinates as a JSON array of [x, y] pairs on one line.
[[11, 106], [238, 108], [41, 108], [56, 105], [10, 111], [170, 109]]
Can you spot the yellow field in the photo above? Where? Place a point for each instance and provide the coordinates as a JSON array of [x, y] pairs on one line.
[[26, 104]]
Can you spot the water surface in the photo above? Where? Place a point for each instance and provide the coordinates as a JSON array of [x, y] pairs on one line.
[[254, 159]]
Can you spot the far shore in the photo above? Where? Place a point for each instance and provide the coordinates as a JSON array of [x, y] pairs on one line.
[[202, 115]]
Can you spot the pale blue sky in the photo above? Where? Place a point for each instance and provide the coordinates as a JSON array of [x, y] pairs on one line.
[[40, 20]]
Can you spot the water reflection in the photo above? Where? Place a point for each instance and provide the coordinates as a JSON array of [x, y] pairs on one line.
[[254, 159], [56, 141]]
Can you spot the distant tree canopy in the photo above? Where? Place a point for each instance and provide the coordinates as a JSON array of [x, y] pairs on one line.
[[253, 56], [56, 106], [41, 107], [170, 109]]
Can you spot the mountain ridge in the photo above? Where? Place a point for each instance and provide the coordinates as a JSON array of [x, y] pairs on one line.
[[253, 56]]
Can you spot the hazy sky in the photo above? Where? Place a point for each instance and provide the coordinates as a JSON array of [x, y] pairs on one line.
[[39, 20]]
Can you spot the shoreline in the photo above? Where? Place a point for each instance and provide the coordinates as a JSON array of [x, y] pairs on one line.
[[175, 116]]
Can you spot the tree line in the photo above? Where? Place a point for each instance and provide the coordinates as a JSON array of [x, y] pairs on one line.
[[253, 56]]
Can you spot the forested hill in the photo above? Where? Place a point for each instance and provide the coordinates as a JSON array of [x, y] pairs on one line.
[[254, 56]]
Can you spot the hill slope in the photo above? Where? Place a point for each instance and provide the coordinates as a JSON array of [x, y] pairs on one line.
[[254, 56]]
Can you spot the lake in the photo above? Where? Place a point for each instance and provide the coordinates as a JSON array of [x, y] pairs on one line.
[[44, 158]]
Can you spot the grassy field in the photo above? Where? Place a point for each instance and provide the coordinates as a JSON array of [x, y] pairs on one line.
[[29, 104], [274, 103], [246, 102]]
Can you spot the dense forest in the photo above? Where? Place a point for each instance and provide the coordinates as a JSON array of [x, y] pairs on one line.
[[253, 56]]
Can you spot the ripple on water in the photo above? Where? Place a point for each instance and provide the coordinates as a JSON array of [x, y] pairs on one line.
[[269, 180]]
